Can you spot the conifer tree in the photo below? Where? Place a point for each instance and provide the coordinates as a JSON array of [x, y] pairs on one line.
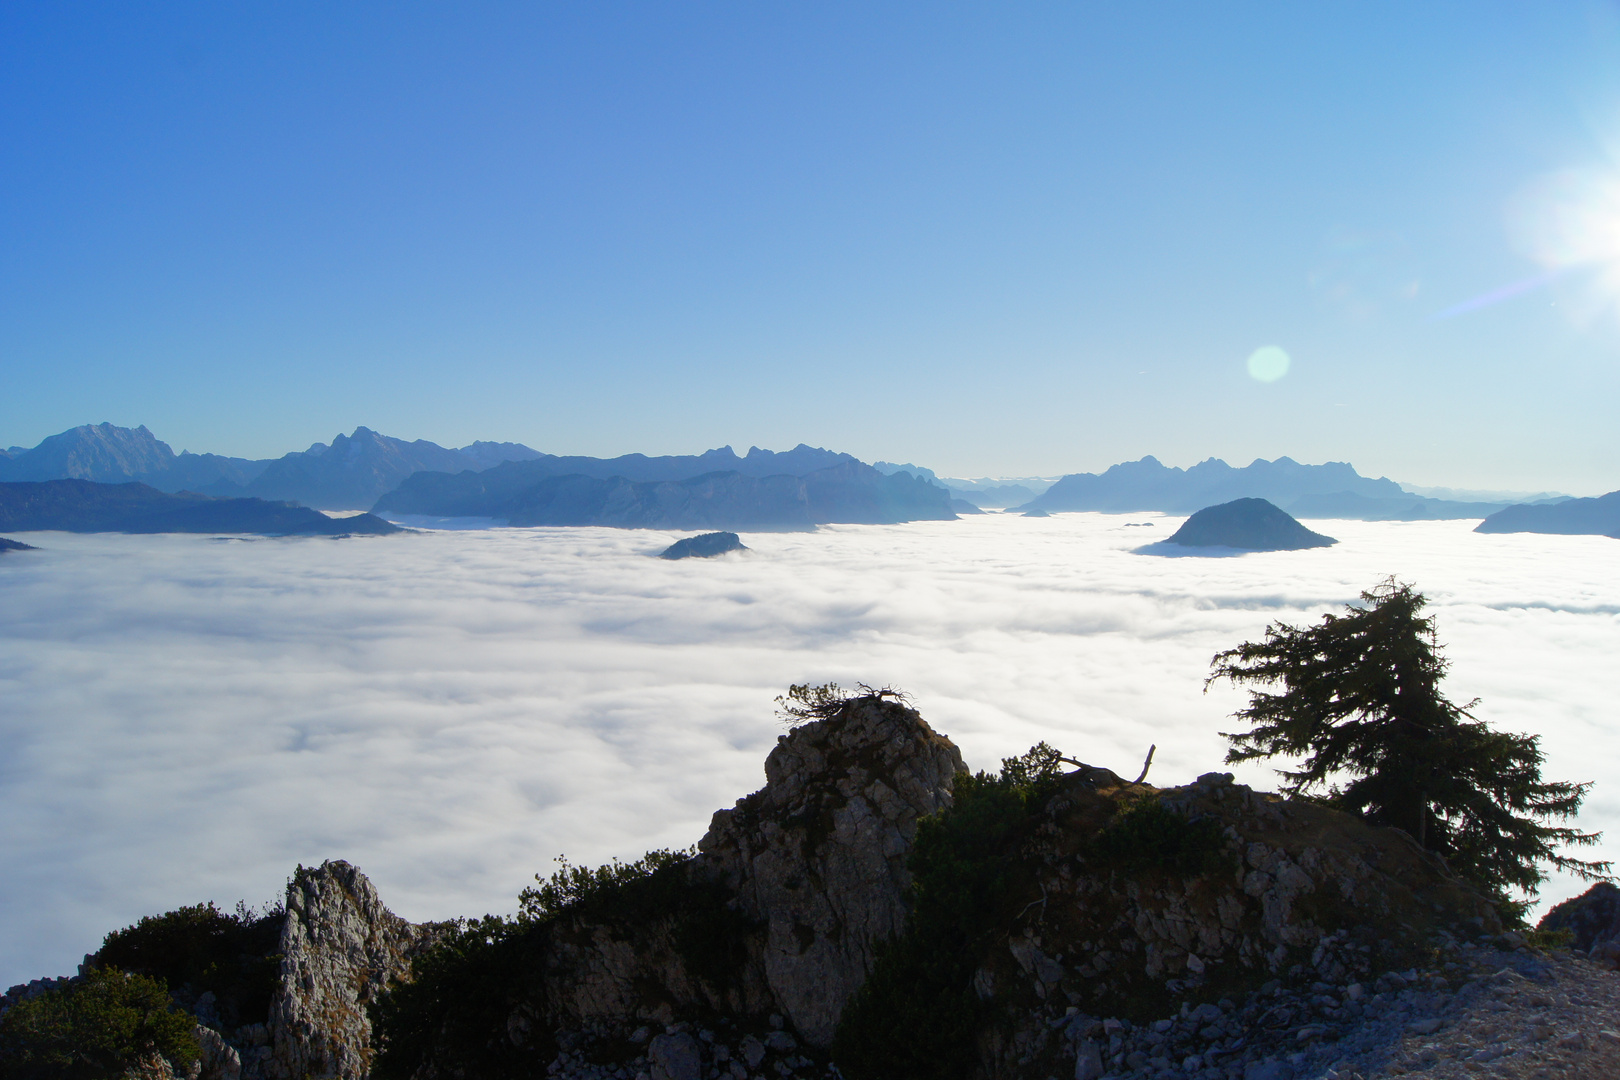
[[1360, 705]]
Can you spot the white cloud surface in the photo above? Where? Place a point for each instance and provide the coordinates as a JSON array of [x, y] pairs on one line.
[[185, 718]]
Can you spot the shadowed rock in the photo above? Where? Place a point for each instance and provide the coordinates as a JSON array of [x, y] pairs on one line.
[[704, 546], [1593, 917]]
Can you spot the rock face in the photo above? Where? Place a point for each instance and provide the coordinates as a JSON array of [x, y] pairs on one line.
[[1248, 524], [818, 855], [794, 887], [703, 546], [340, 947]]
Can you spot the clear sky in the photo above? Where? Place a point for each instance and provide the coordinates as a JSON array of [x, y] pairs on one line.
[[992, 239]]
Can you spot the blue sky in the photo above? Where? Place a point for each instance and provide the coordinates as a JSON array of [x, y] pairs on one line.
[[990, 239]]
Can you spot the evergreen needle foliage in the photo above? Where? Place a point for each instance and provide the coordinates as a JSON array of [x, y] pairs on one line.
[[1360, 703], [97, 1028], [573, 885], [201, 949]]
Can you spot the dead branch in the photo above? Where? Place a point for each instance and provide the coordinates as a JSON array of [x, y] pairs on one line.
[[1148, 764]]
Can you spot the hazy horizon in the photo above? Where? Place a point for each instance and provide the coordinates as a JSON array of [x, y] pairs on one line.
[[1427, 490]]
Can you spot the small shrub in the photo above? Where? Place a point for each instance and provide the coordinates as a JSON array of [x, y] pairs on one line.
[[917, 1016], [1150, 837], [572, 885], [1550, 939], [94, 1029], [198, 949], [451, 1017], [803, 702]]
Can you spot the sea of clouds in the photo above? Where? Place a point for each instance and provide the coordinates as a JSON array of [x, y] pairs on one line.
[[187, 718]]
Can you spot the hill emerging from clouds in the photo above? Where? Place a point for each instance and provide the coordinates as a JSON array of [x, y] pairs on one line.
[[84, 506], [1571, 517]]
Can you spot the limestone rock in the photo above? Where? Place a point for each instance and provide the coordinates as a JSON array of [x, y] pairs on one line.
[[340, 947], [808, 873], [818, 855]]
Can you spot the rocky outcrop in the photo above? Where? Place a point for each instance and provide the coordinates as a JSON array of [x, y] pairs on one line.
[[789, 895], [340, 947], [1289, 890], [818, 856], [1592, 918]]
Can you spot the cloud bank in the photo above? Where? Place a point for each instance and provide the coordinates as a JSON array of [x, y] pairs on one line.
[[187, 718]]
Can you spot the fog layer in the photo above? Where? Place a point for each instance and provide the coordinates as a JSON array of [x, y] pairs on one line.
[[187, 718]]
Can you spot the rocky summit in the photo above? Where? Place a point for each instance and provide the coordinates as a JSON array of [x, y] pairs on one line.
[[703, 546], [874, 910]]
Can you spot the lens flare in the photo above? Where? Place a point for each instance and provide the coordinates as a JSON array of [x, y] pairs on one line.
[[1268, 363]]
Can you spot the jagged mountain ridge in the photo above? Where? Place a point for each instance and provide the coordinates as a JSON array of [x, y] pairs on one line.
[[108, 454], [1330, 490], [1148, 484], [528, 493], [354, 470]]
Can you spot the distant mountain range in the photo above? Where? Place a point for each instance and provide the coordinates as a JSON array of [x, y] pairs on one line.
[[806, 485], [353, 471], [1589, 517], [86, 506], [538, 493], [347, 474], [1331, 490]]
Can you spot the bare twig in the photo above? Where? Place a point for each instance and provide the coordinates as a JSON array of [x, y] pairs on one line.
[[1148, 764], [1032, 903]]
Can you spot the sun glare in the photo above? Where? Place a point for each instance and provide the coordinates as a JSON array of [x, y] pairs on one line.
[[1571, 221]]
